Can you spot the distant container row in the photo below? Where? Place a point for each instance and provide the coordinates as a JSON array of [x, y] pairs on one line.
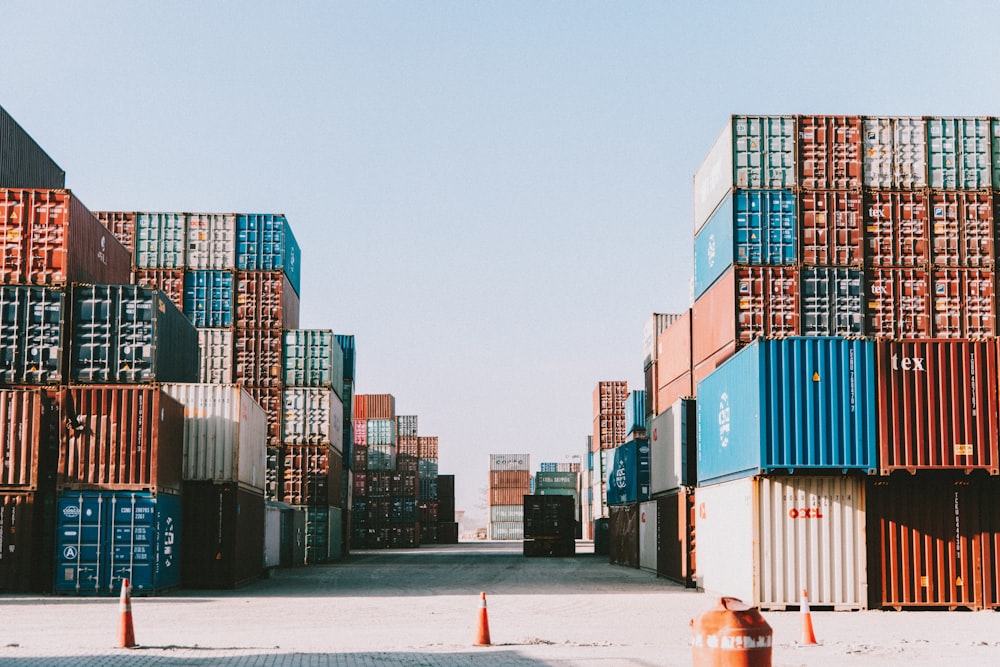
[[848, 153], [879, 229]]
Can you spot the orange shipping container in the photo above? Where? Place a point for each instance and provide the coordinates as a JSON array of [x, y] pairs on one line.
[[673, 350], [29, 440], [609, 397], [374, 406], [668, 394], [508, 496], [518, 479]]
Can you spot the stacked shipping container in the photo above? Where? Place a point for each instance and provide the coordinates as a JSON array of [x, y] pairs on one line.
[[510, 481], [610, 398]]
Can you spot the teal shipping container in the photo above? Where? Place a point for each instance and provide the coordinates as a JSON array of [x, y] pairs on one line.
[[347, 345], [958, 153], [789, 405], [635, 412], [265, 242], [313, 358], [628, 473], [160, 240], [750, 228]]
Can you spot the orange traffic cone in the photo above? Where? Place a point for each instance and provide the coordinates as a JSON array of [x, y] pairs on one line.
[[126, 633], [808, 636], [483, 638]]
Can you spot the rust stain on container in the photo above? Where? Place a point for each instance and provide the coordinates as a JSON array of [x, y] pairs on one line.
[[832, 228], [964, 303], [896, 226], [829, 152]]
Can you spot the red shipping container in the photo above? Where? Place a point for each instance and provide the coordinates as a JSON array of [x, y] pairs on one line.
[[407, 445], [257, 357], [48, 237], [938, 403], [609, 431], [404, 484], [898, 303], [829, 152], [832, 228], [896, 225], [668, 394], [122, 225], [508, 495], [169, 281], [265, 300], [121, 438], [427, 446], [312, 476], [964, 305], [925, 544], [673, 350], [610, 396], [675, 531], [962, 229], [269, 398], [989, 503], [27, 542], [374, 406], [623, 522], [29, 438], [505, 479]]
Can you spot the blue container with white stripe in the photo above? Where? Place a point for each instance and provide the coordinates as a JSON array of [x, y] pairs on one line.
[[786, 406], [750, 227], [265, 242]]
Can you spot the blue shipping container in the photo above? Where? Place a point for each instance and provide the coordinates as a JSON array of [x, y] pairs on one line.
[[208, 298], [750, 227], [787, 405], [104, 537], [347, 345], [265, 242], [635, 412], [628, 473]]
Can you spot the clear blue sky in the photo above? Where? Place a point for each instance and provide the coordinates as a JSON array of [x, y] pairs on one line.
[[492, 196]]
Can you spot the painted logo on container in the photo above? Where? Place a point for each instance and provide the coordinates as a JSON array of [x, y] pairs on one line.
[[725, 418], [621, 477], [710, 251], [71, 511]]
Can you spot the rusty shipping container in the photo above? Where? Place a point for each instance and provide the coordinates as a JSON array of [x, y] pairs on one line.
[[832, 228], [27, 532], [898, 303], [122, 225], [269, 398], [508, 495], [964, 303], [675, 537], [121, 438], [50, 238], [624, 527], [23, 163], [427, 446], [926, 543], [169, 281], [989, 504], [962, 230], [312, 476], [897, 229], [29, 438], [747, 302], [374, 406], [609, 397], [265, 300], [510, 479], [937, 405], [257, 358], [829, 152], [222, 545]]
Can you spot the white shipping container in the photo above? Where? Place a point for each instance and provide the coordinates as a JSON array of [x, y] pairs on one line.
[[894, 153], [510, 462], [272, 536], [667, 440], [714, 177], [765, 539], [225, 434], [312, 417], [506, 530], [506, 513], [647, 535], [211, 241], [216, 355]]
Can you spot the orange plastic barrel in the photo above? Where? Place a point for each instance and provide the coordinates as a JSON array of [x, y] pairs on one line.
[[731, 634]]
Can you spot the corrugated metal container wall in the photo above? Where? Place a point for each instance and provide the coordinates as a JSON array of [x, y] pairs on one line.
[[832, 228], [556, 480], [624, 528], [211, 241], [215, 360], [24, 440], [265, 242], [938, 405], [374, 406], [311, 475], [516, 479], [505, 530], [23, 163], [628, 473], [832, 302], [675, 534], [381, 432], [989, 504], [27, 529], [648, 523], [962, 229], [129, 334], [269, 398], [107, 536], [407, 427], [657, 324], [829, 150], [510, 462], [265, 300], [549, 516], [751, 152], [609, 397], [50, 238], [168, 281], [925, 543], [506, 513], [894, 153], [898, 303], [257, 359], [313, 358], [160, 240], [793, 404], [225, 434], [673, 455], [751, 227], [964, 303], [209, 297], [347, 345], [122, 438], [635, 412], [313, 416], [897, 229], [32, 335], [122, 225], [380, 457], [223, 540], [508, 495], [958, 153], [765, 539]]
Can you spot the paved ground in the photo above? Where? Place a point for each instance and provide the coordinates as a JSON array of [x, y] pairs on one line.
[[408, 608]]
